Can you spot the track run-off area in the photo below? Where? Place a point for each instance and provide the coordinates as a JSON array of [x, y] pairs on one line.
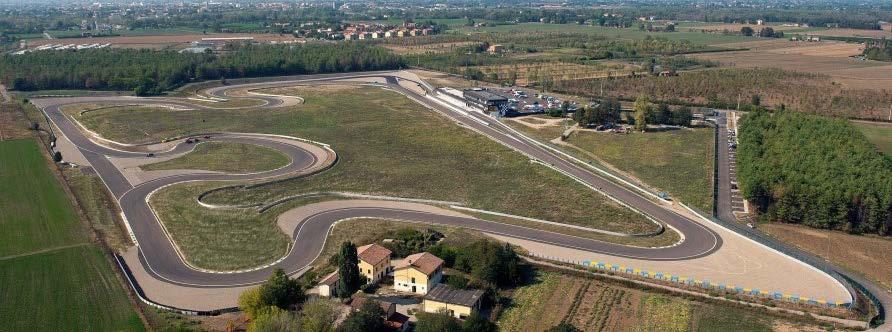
[[707, 251]]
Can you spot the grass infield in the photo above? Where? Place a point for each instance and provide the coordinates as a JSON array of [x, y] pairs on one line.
[[225, 157], [387, 146]]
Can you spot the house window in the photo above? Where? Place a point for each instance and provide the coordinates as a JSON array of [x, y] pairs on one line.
[[413, 280]]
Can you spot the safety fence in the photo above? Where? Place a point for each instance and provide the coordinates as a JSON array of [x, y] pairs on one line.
[[694, 282]]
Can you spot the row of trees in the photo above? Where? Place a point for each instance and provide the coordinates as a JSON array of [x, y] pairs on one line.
[[725, 87], [151, 72], [880, 50], [814, 171]]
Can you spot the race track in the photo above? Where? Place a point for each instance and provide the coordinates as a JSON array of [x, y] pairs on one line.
[[159, 256]]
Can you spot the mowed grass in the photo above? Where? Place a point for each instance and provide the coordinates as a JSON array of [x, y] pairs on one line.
[[593, 305], [67, 290], [878, 134], [680, 162], [35, 214], [387, 145], [51, 277], [225, 157]]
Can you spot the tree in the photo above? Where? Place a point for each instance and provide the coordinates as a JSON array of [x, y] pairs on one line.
[[756, 100], [490, 262], [478, 323], [563, 327], [369, 318], [272, 319], [663, 114], [437, 322], [249, 301], [318, 316], [670, 28], [57, 156], [280, 290], [682, 116], [641, 107], [746, 31], [766, 32], [349, 279]]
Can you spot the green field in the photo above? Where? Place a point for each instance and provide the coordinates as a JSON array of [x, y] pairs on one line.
[[679, 162], [65, 290], [878, 134], [388, 146], [630, 33], [51, 277], [34, 212], [225, 157]]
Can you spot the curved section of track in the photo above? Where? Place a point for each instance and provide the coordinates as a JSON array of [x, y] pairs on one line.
[[160, 257]]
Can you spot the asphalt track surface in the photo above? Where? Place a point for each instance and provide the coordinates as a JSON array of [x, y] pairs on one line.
[[159, 256]]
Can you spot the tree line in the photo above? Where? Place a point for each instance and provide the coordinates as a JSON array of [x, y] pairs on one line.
[[148, 72], [726, 87], [814, 171]]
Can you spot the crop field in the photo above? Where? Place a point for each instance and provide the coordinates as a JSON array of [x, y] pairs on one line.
[[387, 146], [864, 254], [155, 39], [592, 305], [225, 157], [51, 277], [64, 290], [556, 71], [425, 48], [721, 88], [879, 134], [34, 212], [618, 33], [831, 58]]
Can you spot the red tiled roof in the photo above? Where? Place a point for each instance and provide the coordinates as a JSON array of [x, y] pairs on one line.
[[372, 253], [425, 262]]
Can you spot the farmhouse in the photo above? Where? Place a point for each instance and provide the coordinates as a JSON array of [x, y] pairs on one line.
[[459, 303], [374, 261], [418, 273]]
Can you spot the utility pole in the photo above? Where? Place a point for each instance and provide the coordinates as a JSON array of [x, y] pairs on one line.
[[738, 102]]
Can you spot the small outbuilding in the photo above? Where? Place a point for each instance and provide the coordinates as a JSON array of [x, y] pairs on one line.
[[459, 303]]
